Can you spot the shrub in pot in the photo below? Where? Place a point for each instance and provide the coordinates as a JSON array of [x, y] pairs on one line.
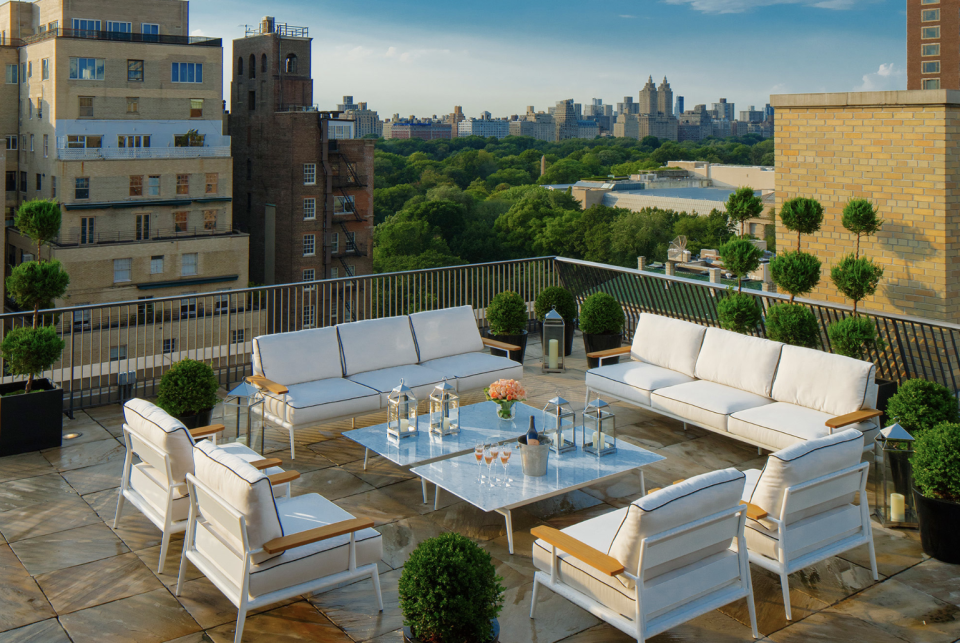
[[936, 476], [739, 312], [793, 324], [561, 299], [920, 405], [450, 592], [507, 317], [742, 206], [188, 391], [601, 321]]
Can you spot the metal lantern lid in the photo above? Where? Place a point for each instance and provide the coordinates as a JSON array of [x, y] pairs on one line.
[[558, 402], [894, 433], [402, 390], [443, 389], [598, 404], [553, 317], [244, 389]]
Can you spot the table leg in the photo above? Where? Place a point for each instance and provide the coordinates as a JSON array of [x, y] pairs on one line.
[[423, 483], [643, 484], [366, 452], [436, 497], [509, 518]]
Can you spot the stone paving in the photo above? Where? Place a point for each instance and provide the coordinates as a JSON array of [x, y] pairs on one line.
[[67, 575]]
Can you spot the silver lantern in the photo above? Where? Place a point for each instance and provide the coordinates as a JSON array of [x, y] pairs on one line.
[[401, 412], [895, 503], [599, 429], [560, 424], [552, 337], [444, 410]]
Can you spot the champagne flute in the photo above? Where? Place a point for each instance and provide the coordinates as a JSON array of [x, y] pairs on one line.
[[493, 451], [505, 452], [478, 454]]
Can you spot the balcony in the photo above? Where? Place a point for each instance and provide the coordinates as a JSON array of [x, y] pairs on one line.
[[128, 153], [89, 34]]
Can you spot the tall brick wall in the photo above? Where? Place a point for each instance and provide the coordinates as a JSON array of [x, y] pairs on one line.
[[898, 149]]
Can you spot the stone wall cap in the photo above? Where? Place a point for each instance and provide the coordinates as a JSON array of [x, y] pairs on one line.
[[865, 99]]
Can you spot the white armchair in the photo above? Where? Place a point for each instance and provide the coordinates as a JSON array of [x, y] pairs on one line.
[[806, 511], [669, 557], [258, 549]]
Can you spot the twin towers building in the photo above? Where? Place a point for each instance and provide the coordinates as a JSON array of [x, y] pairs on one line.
[[651, 116]]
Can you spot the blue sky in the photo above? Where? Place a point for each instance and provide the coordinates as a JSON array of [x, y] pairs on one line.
[[501, 55]]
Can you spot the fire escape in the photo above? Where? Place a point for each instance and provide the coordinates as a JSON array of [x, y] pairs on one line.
[[345, 177]]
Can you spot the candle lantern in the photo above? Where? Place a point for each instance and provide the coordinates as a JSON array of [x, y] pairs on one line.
[[895, 506], [560, 425], [401, 412], [552, 337], [444, 410], [599, 429], [245, 400]]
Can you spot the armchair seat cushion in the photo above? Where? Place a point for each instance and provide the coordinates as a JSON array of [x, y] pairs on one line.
[[316, 560], [781, 425], [420, 379], [805, 535], [473, 371], [706, 403], [633, 381], [315, 402]]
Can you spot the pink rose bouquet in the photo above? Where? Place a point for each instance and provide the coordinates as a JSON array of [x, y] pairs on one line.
[[506, 393]]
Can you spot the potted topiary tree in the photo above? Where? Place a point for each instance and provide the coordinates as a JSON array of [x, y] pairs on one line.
[[561, 299], [507, 317], [601, 321], [936, 476], [31, 411], [920, 405], [739, 312], [188, 391], [450, 593], [742, 206]]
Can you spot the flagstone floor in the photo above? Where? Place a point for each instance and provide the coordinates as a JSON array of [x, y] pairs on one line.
[[67, 575]]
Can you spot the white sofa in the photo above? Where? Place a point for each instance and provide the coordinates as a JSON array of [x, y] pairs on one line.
[[758, 391], [313, 376]]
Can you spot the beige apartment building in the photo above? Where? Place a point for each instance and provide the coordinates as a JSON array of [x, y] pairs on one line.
[[113, 110]]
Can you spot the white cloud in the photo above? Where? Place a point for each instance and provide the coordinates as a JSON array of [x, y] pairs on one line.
[[626, 15], [198, 32], [887, 78], [739, 6]]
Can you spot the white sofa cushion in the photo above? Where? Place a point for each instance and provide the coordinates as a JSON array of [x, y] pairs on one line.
[[475, 371], [633, 381], [316, 402], [152, 487], [420, 379], [780, 425], [319, 559], [376, 344], [805, 536], [705, 403], [245, 489], [301, 356], [446, 332], [670, 343], [163, 431], [822, 381], [732, 359]]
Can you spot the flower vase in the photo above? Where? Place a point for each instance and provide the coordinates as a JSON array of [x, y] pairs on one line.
[[506, 411]]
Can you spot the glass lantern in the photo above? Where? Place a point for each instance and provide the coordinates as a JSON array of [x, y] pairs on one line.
[[239, 407], [444, 410], [401, 412], [895, 505], [552, 336], [560, 424], [599, 429]]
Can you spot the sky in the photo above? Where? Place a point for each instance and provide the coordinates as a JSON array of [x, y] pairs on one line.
[[499, 56]]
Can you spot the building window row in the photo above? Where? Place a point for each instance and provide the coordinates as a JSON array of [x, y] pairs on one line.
[[95, 69], [189, 262], [138, 184]]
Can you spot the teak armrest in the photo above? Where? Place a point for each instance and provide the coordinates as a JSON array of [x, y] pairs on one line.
[[613, 352], [264, 384], [283, 478], [266, 464], [581, 551], [490, 343], [754, 512], [309, 536], [204, 431], [853, 418]]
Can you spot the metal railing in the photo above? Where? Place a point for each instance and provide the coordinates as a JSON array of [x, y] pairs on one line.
[[92, 34], [121, 153]]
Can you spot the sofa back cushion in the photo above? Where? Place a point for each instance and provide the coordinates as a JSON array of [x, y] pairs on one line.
[[163, 431], [245, 489], [669, 343], [301, 356], [824, 382], [377, 343], [446, 332], [743, 362]]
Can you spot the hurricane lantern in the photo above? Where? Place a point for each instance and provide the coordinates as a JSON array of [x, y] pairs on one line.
[[244, 400], [560, 424], [401, 412], [444, 410], [599, 429], [895, 506], [552, 337]]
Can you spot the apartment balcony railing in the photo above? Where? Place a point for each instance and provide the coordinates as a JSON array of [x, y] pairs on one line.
[[141, 339], [123, 153], [77, 238], [90, 34]]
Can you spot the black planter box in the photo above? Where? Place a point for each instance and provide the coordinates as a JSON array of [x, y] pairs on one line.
[[939, 525], [33, 421], [197, 420], [597, 343], [885, 390], [516, 340]]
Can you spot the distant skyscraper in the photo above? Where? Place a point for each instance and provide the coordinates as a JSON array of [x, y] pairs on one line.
[[724, 111], [648, 98], [566, 120], [932, 32], [665, 98], [679, 108]]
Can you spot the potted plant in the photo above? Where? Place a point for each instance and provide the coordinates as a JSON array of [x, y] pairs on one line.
[[507, 317], [561, 299], [31, 411], [936, 476], [739, 312], [188, 391], [450, 593], [601, 320], [742, 206], [920, 405]]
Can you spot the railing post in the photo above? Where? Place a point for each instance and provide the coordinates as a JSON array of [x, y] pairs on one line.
[[641, 263], [715, 275]]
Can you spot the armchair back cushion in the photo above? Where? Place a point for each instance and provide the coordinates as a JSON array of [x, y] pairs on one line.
[[301, 356], [377, 344], [165, 432], [824, 382], [445, 333], [732, 359], [672, 507], [245, 489], [668, 343]]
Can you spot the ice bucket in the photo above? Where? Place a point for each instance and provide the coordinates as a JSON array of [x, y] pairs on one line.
[[534, 458]]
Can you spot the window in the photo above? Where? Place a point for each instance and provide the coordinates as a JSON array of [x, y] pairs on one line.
[[240, 66], [12, 142], [134, 71], [309, 245], [156, 265], [186, 73], [82, 189], [31, 142], [119, 30], [86, 28], [179, 221], [86, 106], [133, 105], [351, 271], [929, 1], [30, 108], [931, 83], [309, 209], [46, 145], [190, 139], [930, 50], [11, 181], [237, 336], [188, 307], [252, 101], [153, 186], [13, 77], [213, 183], [253, 66], [930, 32], [118, 353], [53, 186], [23, 181], [196, 107], [86, 68], [122, 269], [309, 274], [151, 32], [136, 186], [309, 173], [210, 220], [343, 204], [39, 108], [144, 311], [143, 227], [183, 184], [221, 304], [290, 65], [39, 182], [169, 346], [930, 15], [188, 265], [930, 67], [263, 63], [45, 69], [309, 316], [133, 140], [86, 230], [351, 242], [29, 69], [81, 142], [335, 242]]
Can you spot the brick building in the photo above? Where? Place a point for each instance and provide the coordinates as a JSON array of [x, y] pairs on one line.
[[933, 44], [411, 129]]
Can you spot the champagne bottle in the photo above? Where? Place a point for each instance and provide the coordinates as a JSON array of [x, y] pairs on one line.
[[533, 438]]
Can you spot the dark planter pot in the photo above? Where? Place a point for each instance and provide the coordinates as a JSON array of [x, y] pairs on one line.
[[516, 340], [939, 526], [408, 636], [30, 422], [886, 390], [196, 420], [569, 331], [596, 343]]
